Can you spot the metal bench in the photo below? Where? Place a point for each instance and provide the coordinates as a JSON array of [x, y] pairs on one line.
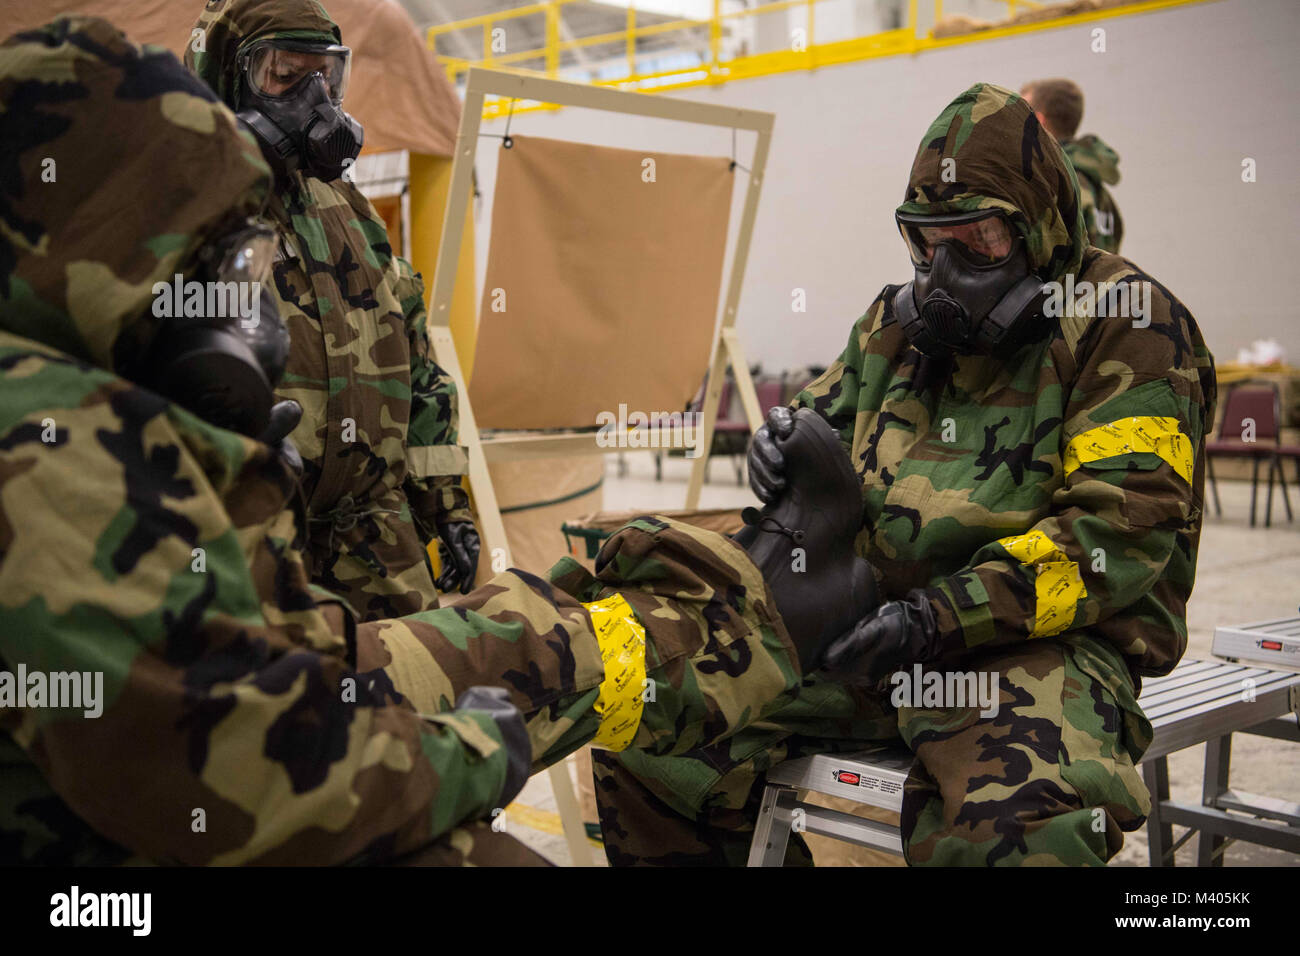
[[1201, 701]]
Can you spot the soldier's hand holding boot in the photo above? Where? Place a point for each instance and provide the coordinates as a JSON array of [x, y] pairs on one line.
[[894, 636], [766, 462], [458, 547]]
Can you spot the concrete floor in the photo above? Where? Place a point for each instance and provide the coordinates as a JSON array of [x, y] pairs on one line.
[[1243, 574]]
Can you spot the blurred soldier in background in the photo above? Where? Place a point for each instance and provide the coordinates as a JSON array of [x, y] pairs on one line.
[[382, 470], [1058, 104]]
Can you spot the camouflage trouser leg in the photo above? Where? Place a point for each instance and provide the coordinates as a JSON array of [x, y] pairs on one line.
[[716, 657], [699, 808], [1049, 779]]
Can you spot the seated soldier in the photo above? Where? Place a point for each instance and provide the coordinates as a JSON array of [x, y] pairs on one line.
[[1027, 418]]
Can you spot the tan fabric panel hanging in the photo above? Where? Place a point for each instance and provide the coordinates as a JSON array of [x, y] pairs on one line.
[[398, 91], [609, 283], [536, 498]]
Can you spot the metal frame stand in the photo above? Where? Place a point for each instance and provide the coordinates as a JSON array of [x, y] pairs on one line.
[[726, 349]]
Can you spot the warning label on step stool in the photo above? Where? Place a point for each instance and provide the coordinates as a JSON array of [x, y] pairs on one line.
[[867, 781]]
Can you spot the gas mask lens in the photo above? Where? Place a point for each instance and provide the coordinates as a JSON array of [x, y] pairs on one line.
[[981, 239], [276, 67], [248, 255]]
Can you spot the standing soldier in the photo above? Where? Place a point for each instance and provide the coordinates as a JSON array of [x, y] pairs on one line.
[[1058, 104], [382, 471]]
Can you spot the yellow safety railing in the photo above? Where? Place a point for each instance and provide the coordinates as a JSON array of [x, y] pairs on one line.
[[803, 53]]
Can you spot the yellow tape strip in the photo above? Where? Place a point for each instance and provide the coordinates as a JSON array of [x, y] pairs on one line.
[[1159, 436], [622, 649], [1058, 586]]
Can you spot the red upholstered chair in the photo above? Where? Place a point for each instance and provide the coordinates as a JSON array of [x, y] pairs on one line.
[[1251, 428], [1283, 453], [769, 395], [725, 422], [730, 435]]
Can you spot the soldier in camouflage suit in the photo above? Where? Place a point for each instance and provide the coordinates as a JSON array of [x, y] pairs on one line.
[[1058, 104], [140, 541], [1010, 500], [378, 432], [1097, 168]]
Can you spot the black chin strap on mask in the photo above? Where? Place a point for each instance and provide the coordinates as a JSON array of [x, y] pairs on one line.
[[303, 130]]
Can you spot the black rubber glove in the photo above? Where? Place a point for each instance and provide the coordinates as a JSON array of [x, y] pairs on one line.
[[766, 463], [495, 701], [894, 636], [458, 547]]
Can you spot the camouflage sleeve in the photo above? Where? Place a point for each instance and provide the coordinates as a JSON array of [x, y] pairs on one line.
[[435, 462], [713, 664], [220, 707], [834, 394], [1117, 551]]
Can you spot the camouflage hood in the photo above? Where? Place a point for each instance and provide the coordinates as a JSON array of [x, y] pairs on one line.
[[1001, 158], [228, 27], [119, 166], [1093, 158]]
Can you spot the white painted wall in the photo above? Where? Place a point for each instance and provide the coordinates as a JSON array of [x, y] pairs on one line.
[[1182, 95]]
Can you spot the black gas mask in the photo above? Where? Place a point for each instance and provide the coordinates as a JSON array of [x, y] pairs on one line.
[[973, 291], [290, 99], [220, 346]]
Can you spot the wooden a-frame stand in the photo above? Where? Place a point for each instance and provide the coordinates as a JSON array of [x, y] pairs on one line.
[[726, 349]]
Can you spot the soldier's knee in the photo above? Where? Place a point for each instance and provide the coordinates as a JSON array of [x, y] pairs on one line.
[[1039, 826]]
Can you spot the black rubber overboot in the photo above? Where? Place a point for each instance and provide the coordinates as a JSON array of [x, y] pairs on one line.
[[823, 589]]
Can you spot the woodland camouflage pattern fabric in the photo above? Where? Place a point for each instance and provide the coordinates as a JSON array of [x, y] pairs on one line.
[[378, 432], [717, 652], [1017, 789], [140, 542], [1097, 166], [1050, 555]]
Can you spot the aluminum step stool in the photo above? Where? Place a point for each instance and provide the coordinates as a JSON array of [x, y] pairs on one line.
[[1266, 643], [1200, 701]]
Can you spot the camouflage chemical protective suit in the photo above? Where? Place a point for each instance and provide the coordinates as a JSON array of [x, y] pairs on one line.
[[1052, 556], [378, 432], [143, 544], [1097, 166]]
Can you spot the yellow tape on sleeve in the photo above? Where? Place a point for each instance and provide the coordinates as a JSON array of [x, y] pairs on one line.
[[1058, 585], [1158, 436], [622, 650]]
